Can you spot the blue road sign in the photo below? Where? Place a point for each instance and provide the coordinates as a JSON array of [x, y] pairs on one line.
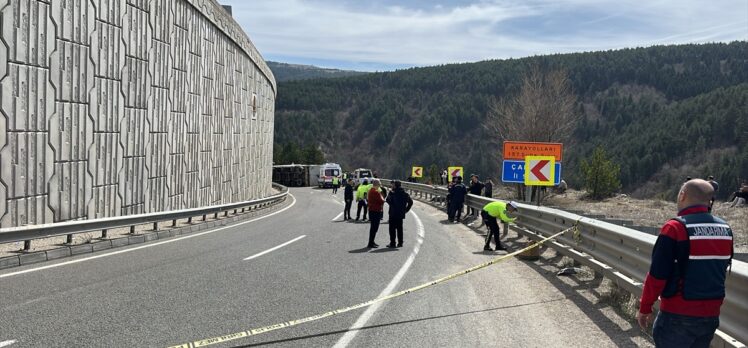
[[514, 172]]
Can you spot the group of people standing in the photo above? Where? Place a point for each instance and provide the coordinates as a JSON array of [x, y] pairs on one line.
[[490, 212], [458, 191], [371, 198], [689, 260]]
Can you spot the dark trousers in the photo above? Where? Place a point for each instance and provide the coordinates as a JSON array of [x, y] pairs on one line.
[[674, 330], [472, 211], [454, 211], [362, 205], [396, 229], [375, 219], [334, 188], [493, 227], [347, 210]]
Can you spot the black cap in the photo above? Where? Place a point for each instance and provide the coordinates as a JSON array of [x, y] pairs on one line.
[[397, 183]]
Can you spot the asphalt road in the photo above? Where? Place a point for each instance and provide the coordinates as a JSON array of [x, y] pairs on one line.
[[187, 289]]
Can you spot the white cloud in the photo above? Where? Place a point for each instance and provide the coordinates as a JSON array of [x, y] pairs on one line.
[[484, 29]]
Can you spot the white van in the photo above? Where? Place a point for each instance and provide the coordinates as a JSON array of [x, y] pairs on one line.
[[326, 172], [360, 174]]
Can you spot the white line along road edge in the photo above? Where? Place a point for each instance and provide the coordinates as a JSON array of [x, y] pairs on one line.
[[274, 248], [146, 245], [353, 330], [336, 218], [7, 343]]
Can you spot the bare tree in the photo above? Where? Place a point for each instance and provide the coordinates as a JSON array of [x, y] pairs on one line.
[[544, 109]]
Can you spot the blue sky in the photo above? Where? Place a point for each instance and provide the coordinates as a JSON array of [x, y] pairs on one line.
[[380, 35]]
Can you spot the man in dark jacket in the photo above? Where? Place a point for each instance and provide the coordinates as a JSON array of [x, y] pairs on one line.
[[476, 188], [457, 194], [348, 197], [400, 203], [488, 188]]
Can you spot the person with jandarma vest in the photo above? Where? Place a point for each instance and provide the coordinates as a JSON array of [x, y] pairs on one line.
[[690, 262]]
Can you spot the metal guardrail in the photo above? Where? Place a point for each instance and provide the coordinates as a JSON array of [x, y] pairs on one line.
[[622, 254], [28, 233]]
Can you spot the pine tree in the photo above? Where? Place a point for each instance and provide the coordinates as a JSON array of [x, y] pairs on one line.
[[601, 175]]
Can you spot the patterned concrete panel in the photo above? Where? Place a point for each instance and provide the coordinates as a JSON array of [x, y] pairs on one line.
[[3, 117], [28, 32], [110, 11], [107, 50], [114, 107]]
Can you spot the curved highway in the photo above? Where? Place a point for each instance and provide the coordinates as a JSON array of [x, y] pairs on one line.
[[299, 262]]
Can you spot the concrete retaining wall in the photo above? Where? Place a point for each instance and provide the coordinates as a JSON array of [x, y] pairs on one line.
[[115, 107]]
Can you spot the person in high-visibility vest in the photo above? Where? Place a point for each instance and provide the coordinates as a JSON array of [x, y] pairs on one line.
[[490, 213], [361, 192], [335, 184]]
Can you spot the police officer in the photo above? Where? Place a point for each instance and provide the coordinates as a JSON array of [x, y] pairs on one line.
[[335, 184], [490, 213], [688, 271], [361, 192]]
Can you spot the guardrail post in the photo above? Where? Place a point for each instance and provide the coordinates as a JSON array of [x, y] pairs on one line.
[[243, 209], [235, 211], [69, 239], [103, 233], [215, 216], [155, 226], [26, 245], [226, 213], [174, 223], [132, 229], [189, 220], [205, 217]]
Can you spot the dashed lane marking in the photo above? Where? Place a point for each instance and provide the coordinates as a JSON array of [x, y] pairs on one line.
[[291, 323], [337, 217], [366, 316], [274, 248], [146, 245]]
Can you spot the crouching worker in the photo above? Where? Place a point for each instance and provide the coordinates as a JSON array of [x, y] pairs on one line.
[[490, 213]]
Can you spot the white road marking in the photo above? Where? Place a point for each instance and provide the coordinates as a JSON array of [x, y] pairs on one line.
[[7, 343], [274, 248], [339, 215], [146, 245], [364, 318]]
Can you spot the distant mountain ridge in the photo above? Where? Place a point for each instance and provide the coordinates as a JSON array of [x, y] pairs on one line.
[[662, 113], [291, 72]]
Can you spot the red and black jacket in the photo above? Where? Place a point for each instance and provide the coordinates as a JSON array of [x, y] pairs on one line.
[[689, 265]]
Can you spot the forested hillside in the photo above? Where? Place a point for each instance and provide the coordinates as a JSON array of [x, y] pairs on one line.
[[663, 113], [290, 72]]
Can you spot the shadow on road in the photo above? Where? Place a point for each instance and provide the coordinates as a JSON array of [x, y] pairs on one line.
[[358, 251], [399, 323], [384, 250]]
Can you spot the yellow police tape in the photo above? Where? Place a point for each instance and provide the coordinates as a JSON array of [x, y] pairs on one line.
[[257, 331]]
